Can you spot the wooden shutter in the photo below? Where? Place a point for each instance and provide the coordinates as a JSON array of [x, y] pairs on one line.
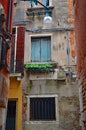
[[12, 54], [41, 49], [20, 49], [35, 49], [45, 49], [4, 52], [49, 49]]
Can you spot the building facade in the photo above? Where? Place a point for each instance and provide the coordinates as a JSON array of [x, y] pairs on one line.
[[46, 52]]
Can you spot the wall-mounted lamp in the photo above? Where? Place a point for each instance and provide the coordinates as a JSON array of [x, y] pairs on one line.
[[47, 18]]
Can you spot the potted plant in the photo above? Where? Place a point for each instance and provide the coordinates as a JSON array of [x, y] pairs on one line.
[[39, 68]]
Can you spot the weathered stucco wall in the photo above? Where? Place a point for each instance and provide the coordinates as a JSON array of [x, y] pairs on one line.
[[15, 93], [63, 18], [67, 105], [61, 41]]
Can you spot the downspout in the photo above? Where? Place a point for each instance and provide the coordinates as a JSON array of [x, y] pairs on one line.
[[9, 21], [68, 51], [15, 50]]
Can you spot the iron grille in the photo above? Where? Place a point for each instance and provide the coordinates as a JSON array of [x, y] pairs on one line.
[[42, 108]]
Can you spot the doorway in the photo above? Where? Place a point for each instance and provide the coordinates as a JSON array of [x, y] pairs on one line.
[[11, 116]]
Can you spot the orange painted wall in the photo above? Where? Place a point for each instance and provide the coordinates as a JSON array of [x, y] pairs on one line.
[[15, 92], [72, 32]]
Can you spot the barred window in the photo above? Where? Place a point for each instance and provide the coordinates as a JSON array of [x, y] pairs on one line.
[[42, 108]]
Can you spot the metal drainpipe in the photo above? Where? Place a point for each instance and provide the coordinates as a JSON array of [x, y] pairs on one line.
[[9, 16], [15, 49], [68, 51]]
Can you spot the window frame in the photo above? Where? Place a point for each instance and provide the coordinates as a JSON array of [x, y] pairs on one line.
[[29, 45], [43, 121], [42, 108], [40, 46], [39, 5]]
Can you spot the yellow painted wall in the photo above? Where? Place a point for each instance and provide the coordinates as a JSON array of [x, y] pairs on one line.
[[15, 92]]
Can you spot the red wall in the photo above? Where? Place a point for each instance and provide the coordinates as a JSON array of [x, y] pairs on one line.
[[80, 34], [4, 74], [5, 5]]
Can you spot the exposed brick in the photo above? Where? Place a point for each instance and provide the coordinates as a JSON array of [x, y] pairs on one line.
[[80, 33]]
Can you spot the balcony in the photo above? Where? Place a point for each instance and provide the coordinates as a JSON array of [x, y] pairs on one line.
[[16, 68]]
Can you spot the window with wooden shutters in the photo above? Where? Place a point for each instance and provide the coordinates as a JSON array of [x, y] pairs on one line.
[[12, 66], [41, 49], [42, 108], [44, 2], [17, 50]]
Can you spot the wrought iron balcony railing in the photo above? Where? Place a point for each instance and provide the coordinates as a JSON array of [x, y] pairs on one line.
[[16, 67]]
